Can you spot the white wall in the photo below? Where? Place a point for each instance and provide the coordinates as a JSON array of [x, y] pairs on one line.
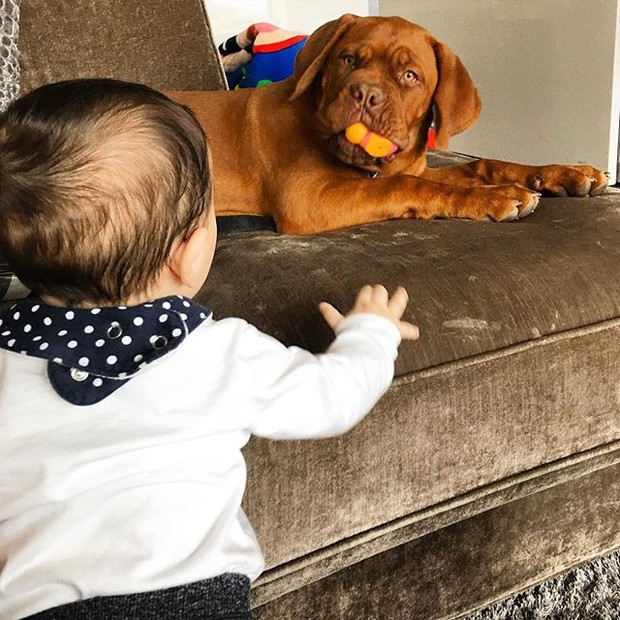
[[229, 17], [548, 72]]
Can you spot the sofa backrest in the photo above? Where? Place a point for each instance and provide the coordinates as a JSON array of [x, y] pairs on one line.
[[164, 44]]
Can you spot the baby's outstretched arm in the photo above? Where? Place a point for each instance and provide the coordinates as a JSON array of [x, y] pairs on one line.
[[375, 300], [300, 395]]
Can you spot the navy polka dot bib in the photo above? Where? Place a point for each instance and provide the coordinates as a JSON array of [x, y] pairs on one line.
[[91, 352]]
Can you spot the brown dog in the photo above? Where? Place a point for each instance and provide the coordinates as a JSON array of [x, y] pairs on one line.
[[280, 150]]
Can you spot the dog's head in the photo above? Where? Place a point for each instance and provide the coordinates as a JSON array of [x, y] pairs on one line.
[[389, 74]]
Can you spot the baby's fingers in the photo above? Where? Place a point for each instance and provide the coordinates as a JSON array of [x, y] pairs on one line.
[[380, 295], [398, 302], [330, 314], [408, 331], [365, 295]]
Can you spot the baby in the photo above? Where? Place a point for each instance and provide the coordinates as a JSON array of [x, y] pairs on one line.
[[123, 404]]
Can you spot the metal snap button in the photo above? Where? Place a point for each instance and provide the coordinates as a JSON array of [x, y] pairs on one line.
[[78, 375], [159, 342], [114, 331]]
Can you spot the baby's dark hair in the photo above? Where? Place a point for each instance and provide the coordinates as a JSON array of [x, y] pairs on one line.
[[98, 179]]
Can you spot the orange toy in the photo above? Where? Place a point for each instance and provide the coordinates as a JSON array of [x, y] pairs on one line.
[[374, 144]]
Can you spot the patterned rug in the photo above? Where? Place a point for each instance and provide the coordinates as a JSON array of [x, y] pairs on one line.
[[590, 592]]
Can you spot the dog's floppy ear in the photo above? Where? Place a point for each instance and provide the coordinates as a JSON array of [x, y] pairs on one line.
[[456, 100], [314, 53]]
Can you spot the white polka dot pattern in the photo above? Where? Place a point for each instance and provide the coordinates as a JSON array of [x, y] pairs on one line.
[[106, 345]]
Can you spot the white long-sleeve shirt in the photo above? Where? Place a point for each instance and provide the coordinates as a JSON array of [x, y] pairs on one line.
[[142, 490]]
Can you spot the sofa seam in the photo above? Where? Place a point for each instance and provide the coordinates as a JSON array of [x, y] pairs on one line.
[[483, 494], [503, 352]]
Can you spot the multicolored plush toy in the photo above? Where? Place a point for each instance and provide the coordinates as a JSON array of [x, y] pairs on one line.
[[261, 54]]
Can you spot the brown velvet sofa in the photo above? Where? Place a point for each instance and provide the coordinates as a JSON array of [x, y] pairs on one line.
[[493, 462]]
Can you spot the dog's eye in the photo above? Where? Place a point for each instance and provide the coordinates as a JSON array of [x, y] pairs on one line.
[[410, 77], [348, 60]]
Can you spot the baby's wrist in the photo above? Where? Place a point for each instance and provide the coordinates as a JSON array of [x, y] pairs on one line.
[[369, 320]]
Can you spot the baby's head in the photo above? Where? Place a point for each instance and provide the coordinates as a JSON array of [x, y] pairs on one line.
[[102, 187]]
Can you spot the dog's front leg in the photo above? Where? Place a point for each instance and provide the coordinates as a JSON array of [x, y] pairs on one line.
[[310, 206], [552, 180]]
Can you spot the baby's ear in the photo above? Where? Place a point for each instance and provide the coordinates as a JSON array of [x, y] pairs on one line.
[[186, 260]]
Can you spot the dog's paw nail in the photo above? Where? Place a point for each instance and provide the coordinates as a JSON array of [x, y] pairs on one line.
[[514, 214], [528, 210]]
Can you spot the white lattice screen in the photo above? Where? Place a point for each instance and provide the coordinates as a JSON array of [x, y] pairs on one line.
[[9, 58]]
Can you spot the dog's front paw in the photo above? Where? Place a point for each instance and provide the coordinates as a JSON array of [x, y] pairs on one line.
[[501, 203], [568, 181]]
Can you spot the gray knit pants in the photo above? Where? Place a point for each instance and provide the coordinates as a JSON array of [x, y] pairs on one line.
[[226, 597]]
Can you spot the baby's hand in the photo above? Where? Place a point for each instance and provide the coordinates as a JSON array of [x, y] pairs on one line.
[[375, 299]]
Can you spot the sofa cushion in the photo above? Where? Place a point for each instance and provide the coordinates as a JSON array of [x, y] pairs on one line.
[[515, 373], [474, 287]]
